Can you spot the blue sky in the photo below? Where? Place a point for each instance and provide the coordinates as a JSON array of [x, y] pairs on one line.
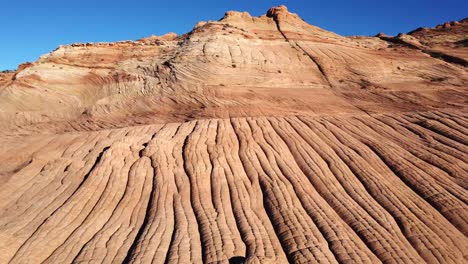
[[31, 28]]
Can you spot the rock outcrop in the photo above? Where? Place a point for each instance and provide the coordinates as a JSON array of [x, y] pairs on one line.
[[247, 140]]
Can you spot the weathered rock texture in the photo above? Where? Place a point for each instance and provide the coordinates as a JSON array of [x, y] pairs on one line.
[[247, 140]]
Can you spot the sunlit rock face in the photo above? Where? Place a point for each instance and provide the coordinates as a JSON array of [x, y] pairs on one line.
[[247, 140]]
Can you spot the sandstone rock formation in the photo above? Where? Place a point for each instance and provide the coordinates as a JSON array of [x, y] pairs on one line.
[[248, 140]]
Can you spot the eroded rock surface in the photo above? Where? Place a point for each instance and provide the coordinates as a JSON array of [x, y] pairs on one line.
[[248, 140]]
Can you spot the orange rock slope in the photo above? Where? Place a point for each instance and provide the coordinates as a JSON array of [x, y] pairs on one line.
[[248, 140]]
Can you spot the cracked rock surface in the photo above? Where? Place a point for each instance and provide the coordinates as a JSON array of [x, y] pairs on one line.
[[247, 140]]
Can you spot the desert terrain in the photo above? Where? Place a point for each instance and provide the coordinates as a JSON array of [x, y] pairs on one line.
[[247, 140]]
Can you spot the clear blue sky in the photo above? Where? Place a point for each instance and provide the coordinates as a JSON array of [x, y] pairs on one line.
[[30, 28]]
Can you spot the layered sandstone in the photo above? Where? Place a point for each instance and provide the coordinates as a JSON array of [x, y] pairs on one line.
[[247, 140]]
